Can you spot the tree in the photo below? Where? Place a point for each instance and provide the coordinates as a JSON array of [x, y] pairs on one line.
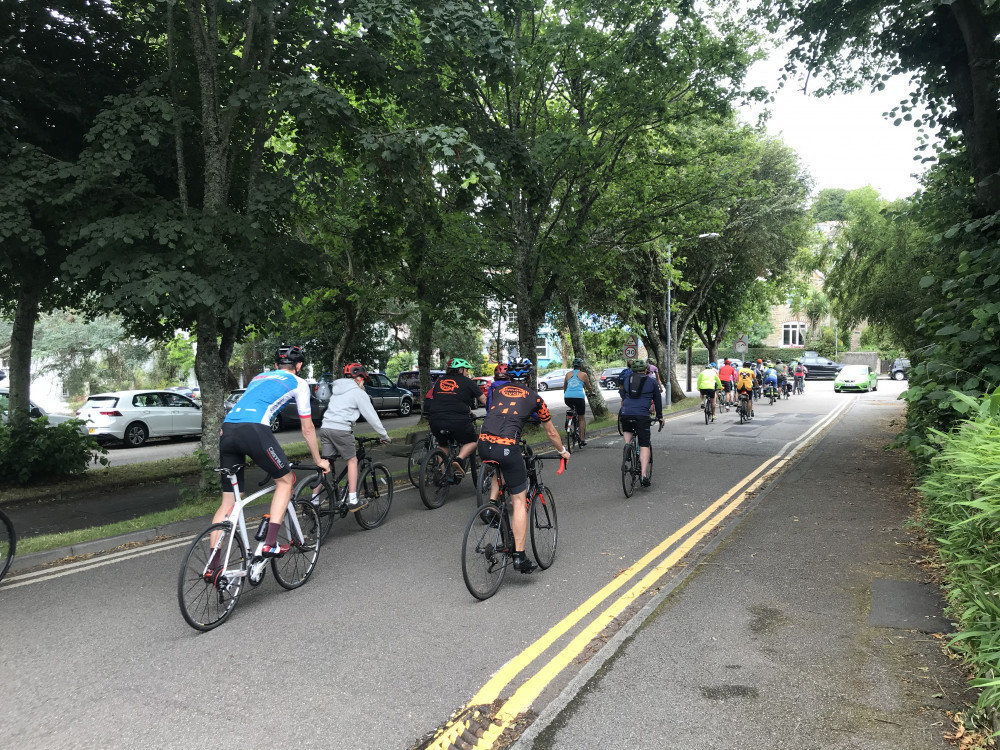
[[828, 205]]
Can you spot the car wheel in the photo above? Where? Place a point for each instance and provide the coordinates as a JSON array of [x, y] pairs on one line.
[[405, 407], [898, 375], [276, 424], [542, 387], [136, 434]]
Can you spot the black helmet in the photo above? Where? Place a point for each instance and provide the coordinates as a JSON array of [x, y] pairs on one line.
[[577, 363], [289, 355], [519, 369]]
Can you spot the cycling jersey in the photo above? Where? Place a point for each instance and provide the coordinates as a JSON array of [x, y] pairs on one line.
[[515, 404], [491, 391], [574, 386], [267, 394], [727, 374], [745, 379], [709, 378], [453, 396], [649, 395]]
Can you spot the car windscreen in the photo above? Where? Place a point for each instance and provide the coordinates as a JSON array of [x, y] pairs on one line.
[[855, 371], [100, 402]]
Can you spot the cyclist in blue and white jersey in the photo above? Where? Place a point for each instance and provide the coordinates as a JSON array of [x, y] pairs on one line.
[[577, 386], [246, 431], [770, 377]]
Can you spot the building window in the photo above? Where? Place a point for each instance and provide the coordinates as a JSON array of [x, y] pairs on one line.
[[541, 348], [793, 334]]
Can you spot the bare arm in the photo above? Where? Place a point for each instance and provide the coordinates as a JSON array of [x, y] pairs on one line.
[[550, 430], [309, 433]]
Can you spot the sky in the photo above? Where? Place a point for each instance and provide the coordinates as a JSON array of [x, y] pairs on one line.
[[843, 140]]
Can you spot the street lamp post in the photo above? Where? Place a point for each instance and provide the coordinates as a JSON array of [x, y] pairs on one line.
[[670, 351]]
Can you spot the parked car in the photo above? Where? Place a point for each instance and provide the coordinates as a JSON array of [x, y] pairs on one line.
[[410, 381], [611, 378], [134, 417], [819, 368], [555, 380], [388, 397], [900, 369], [35, 411], [483, 382], [855, 378], [184, 391]]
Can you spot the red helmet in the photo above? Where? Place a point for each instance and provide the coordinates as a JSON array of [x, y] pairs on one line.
[[726, 362], [354, 370], [500, 371]]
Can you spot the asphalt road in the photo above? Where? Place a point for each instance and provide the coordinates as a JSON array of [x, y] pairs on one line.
[[384, 642]]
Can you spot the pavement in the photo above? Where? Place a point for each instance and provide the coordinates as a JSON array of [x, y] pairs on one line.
[[812, 624]]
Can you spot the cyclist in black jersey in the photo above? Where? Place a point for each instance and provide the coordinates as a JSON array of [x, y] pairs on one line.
[[449, 410], [513, 405]]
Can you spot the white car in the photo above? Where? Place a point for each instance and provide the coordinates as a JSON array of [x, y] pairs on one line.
[[136, 416]]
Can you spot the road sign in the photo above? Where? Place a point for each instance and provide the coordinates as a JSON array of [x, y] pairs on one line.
[[631, 348], [740, 346]]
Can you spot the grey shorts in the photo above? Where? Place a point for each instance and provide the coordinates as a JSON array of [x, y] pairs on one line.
[[336, 443]]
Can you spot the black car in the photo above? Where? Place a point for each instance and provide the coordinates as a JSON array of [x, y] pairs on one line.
[[289, 414], [388, 397], [900, 369], [818, 368], [410, 381], [611, 378]]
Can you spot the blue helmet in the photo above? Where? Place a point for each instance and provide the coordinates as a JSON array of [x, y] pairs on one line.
[[713, 365], [519, 369]]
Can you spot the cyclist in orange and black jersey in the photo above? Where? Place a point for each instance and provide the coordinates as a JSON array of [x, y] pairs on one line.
[[513, 405], [449, 410]]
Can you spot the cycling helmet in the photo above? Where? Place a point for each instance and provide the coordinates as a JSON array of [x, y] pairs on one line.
[[577, 363], [640, 365], [354, 370], [726, 362], [289, 355], [713, 365], [760, 361], [457, 363], [500, 372], [519, 369], [779, 362]]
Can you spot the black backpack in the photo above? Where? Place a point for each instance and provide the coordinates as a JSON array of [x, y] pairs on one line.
[[631, 388]]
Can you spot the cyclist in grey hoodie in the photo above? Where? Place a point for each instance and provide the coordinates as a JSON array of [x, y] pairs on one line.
[[348, 402]]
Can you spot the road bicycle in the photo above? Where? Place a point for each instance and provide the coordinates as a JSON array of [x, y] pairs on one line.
[[417, 455], [572, 430], [771, 391], [488, 544], [207, 596], [8, 544], [632, 465], [799, 387], [620, 430], [438, 475], [743, 409], [786, 389], [706, 405], [329, 496]]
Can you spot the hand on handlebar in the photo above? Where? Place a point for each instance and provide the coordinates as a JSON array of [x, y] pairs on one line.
[[324, 465], [662, 422], [385, 440]]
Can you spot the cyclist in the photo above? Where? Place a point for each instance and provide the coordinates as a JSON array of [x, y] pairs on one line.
[[782, 370], [499, 378], [746, 381], [577, 385], [770, 376], [639, 392], [655, 372], [800, 371], [515, 404], [454, 395], [348, 401], [708, 383], [246, 430], [727, 374]]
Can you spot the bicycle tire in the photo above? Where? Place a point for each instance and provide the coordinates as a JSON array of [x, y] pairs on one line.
[[434, 484], [417, 455], [8, 544], [326, 504], [707, 408], [621, 430], [544, 525], [485, 551], [629, 470], [487, 476], [204, 605], [375, 486], [293, 569]]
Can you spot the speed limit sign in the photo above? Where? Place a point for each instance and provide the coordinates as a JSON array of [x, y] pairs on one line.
[[630, 352]]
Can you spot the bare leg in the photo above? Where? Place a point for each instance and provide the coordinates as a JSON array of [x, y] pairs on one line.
[[519, 521]]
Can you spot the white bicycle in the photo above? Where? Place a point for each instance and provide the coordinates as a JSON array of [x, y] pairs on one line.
[[208, 597]]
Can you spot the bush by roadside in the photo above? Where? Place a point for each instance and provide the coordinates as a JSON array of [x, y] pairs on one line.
[[961, 510], [36, 450]]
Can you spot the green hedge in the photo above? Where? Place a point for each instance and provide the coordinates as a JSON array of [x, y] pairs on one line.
[[43, 451]]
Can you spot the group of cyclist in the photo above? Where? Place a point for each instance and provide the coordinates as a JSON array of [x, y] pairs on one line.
[[749, 379]]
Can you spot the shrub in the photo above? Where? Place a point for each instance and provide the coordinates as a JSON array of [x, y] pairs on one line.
[[38, 450]]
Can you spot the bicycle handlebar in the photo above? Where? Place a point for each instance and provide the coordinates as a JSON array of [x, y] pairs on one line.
[[562, 461]]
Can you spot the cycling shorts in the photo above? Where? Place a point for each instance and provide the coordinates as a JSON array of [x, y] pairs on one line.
[[460, 429], [639, 425], [727, 385], [241, 439], [710, 392], [747, 391], [511, 462], [579, 405]]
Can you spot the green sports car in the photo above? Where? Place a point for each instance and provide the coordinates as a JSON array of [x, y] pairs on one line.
[[856, 378]]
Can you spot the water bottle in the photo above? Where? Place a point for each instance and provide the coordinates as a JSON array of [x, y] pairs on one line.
[[261, 534]]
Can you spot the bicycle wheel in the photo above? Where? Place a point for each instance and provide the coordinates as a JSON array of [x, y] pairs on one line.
[[207, 600], [325, 500], [485, 551], [487, 476], [630, 472], [8, 544], [293, 568], [544, 526], [620, 430], [417, 455], [434, 480], [707, 408], [375, 486]]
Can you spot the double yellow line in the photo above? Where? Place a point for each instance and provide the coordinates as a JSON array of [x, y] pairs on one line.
[[472, 718]]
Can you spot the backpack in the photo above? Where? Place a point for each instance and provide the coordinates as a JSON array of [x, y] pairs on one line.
[[634, 385], [745, 380], [799, 370]]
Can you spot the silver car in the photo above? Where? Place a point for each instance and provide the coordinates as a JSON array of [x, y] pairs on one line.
[[35, 410], [555, 380], [134, 417]]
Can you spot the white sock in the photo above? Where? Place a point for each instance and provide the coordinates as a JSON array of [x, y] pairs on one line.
[[352, 497]]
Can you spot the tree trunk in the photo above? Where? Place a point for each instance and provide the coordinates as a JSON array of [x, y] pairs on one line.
[[425, 335], [211, 374], [596, 399], [25, 315]]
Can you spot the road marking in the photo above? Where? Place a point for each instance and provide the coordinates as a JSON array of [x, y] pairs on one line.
[[525, 695]]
